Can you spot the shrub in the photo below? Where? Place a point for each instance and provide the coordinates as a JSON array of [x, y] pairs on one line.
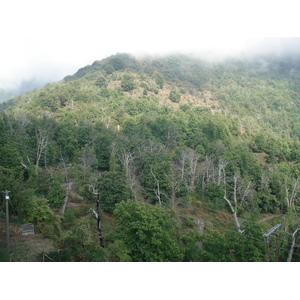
[[174, 96]]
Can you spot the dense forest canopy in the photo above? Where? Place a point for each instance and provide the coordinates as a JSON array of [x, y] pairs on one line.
[[158, 159]]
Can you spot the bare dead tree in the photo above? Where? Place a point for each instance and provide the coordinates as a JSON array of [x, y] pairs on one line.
[[207, 168], [64, 166], [233, 206], [290, 255], [88, 158], [174, 179], [293, 242], [188, 165], [42, 142], [23, 163], [239, 194], [156, 190], [291, 192], [264, 181], [245, 191], [193, 159], [182, 163], [220, 170], [127, 160], [66, 199]]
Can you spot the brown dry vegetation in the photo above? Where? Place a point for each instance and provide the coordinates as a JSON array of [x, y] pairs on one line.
[[204, 98]]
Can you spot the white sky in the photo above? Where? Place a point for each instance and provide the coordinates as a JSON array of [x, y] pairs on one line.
[[48, 40]]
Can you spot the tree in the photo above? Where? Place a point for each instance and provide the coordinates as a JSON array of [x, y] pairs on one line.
[[239, 195], [42, 143], [291, 187], [118, 63], [102, 145], [175, 96], [101, 82], [67, 138], [127, 83], [156, 165], [112, 190], [231, 246], [188, 166], [127, 160], [292, 247], [148, 232], [88, 158], [56, 193], [81, 243], [159, 79], [45, 219]]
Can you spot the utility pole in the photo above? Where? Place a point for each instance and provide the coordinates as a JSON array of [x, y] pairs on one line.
[[266, 236], [7, 224]]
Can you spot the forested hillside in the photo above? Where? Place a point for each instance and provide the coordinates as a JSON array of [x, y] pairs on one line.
[[158, 159]]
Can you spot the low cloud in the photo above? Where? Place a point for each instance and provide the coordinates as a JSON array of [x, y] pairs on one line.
[[53, 65]]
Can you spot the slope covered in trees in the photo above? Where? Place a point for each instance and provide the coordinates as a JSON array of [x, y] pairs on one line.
[[163, 159]]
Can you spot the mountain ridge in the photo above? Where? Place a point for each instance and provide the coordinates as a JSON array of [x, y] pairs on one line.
[[164, 142]]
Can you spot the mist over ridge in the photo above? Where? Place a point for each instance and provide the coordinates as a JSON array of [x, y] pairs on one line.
[[211, 50]]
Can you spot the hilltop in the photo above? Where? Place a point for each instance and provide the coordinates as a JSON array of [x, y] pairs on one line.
[[169, 153]]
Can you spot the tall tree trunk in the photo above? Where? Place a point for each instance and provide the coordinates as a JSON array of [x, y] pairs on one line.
[[42, 142], [234, 206], [234, 213], [289, 259], [63, 208]]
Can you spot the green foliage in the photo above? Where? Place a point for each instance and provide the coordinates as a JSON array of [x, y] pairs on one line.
[[155, 172], [9, 158], [119, 252], [159, 79], [113, 166], [3, 257], [81, 243], [67, 138], [112, 189], [20, 194], [117, 63], [230, 246], [101, 82], [108, 68], [148, 232], [127, 83], [175, 96], [190, 241], [215, 194], [3, 137], [55, 194], [43, 216], [102, 147], [240, 113]]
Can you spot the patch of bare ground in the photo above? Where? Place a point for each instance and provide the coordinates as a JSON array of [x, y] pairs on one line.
[[204, 98], [24, 248], [261, 157], [200, 99], [267, 217]]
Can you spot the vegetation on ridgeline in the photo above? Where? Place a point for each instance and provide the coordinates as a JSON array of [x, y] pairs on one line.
[[189, 160]]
